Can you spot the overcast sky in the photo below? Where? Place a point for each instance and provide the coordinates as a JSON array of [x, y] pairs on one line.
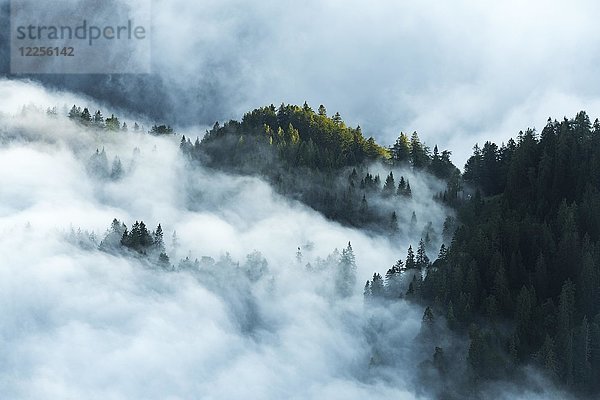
[[457, 72]]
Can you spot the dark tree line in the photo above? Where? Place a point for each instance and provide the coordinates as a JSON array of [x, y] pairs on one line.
[[139, 240], [403, 279], [110, 124], [522, 274], [412, 152], [141, 243]]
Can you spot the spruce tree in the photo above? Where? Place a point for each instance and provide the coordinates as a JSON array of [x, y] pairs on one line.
[[98, 120], [377, 288], [85, 118], [410, 259], [346, 273], [422, 261], [75, 113], [390, 186]]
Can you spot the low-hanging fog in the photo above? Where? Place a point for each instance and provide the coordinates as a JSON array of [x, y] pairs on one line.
[[80, 323]]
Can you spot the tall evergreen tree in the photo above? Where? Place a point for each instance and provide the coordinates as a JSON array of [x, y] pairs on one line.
[[85, 117], [346, 273], [390, 186], [98, 121], [411, 263], [400, 151], [422, 261]]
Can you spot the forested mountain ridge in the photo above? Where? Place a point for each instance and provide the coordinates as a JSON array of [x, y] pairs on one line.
[[522, 274], [305, 138], [321, 161], [302, 137], [311, 157]]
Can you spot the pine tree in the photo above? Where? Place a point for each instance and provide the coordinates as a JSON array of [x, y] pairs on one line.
[[377, 289], [164, 261], [393, 280], [322, 111], [346, 273], [126, 239], [410, 259], [75, 113], [139, 239], [158, 240], [428, 317], [98, 120], [390, 186], [401, 187], [400, 151], [306, 108], [422, 261], [443, 253], [98, 165], [337, 119], [377, 182], [113, 124], [117, 169], [367, 290], [85, 118], [418, 152], [112, 239], [146, 240]]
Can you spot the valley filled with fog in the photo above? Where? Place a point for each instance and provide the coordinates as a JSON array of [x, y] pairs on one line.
[[248, 304], [311, 200], [77, 320]]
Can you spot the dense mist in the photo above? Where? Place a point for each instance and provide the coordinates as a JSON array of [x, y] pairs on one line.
[[247, 305], [81, 323]]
